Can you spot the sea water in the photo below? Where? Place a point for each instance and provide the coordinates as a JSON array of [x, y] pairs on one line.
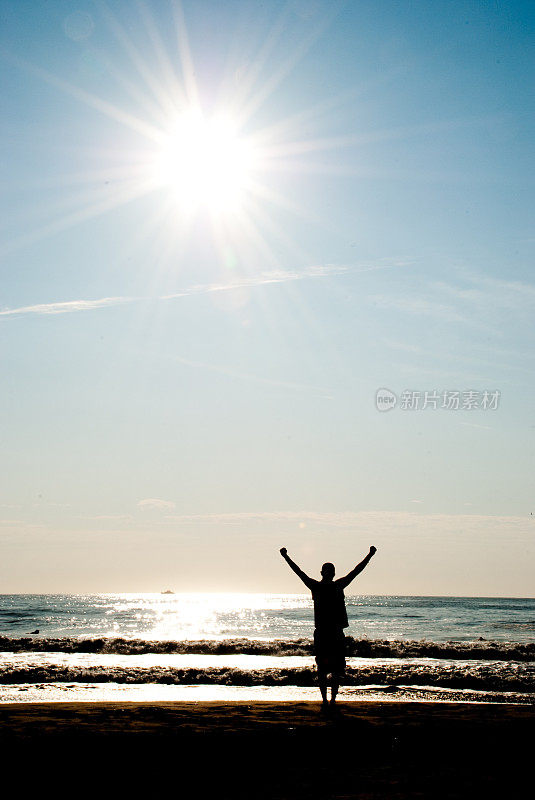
[[251, 646]]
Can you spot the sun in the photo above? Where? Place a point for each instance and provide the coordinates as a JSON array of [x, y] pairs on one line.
[[217, 155], [206, 164]]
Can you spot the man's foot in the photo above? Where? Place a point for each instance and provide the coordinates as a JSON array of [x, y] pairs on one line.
[[334, 708]]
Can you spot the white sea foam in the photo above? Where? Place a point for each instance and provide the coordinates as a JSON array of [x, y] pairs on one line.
[[254, 670], [114, 692]]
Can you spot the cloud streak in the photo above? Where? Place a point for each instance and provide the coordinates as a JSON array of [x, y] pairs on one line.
[[397, 520], [67, 307], [156, 503], [264, 279], [318, 391], [472, 294]]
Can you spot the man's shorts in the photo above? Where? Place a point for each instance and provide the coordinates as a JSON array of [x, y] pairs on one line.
[[330, 650]]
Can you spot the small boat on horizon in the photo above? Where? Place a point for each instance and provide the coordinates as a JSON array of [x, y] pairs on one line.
[[167, 591]]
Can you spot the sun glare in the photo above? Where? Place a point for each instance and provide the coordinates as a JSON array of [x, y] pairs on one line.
[[190, 159], [205, 163]]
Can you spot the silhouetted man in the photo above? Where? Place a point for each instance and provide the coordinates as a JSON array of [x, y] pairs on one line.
[[330, 619]]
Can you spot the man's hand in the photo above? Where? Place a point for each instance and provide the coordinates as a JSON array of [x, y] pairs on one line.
[[283, 552], [373, 550]]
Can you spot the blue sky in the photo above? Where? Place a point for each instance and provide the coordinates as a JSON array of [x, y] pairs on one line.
[[185, 394]]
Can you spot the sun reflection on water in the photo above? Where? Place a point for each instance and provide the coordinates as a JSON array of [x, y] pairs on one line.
[[200, 615]]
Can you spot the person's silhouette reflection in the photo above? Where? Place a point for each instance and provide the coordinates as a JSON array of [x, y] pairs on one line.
[[330, 619]]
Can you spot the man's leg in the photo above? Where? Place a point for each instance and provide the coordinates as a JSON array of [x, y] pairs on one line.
[[319, 650], [322, 679], [339, 670], [334, 687]]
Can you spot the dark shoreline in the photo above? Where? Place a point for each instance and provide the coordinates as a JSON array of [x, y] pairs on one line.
[[274, 750]]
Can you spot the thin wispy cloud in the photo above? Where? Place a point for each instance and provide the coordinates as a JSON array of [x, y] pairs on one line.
[[467, 298], [481, 357], [403, 346], [345, 519], [453, 299], [156, 503], [417, 305], [263, 279], [484, 291], [67, 307], [22, 524], [475, 425], [318, 391]]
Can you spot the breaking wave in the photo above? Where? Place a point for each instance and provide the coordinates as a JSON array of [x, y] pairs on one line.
[[494, 676], [481, 650]]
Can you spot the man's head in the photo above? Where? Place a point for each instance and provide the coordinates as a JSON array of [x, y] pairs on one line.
[[327, 571]]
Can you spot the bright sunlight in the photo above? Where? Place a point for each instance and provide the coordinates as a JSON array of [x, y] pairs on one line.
[[205, 163]]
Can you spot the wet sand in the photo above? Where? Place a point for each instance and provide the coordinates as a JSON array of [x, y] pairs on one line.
[[272, 750]]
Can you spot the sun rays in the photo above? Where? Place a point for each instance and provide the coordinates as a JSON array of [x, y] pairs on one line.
[[196, 157]]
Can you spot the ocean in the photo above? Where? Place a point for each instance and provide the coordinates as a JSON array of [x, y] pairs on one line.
[[259, 646]]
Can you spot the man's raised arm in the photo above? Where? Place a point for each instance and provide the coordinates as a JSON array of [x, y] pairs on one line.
[[354, 572], [298, 571]]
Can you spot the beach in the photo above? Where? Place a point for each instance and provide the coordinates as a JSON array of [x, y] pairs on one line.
[[217, 696], [273, 750]]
